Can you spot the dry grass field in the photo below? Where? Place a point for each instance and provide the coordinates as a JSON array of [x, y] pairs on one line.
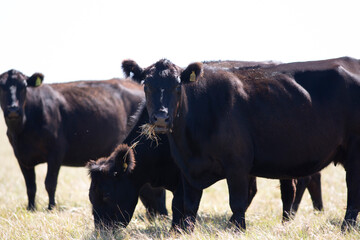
[[72, 219]]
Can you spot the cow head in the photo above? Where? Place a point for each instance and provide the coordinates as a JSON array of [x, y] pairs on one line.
[[112, 194], [13, 86], [163, 89]]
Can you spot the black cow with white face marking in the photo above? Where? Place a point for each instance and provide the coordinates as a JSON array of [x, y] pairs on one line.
[[63, 124], [284, 121]]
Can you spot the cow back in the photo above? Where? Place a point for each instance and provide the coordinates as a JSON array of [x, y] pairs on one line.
[[79, 120]]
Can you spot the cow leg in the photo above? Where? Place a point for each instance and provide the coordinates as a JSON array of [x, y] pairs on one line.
[[314, 188], [30, 181], [192, 197], [153, 200], [352, 167], [301, 185], [178, 208], [238, 184], [287, 188], [51, 182], [252, 189], [353, 198]]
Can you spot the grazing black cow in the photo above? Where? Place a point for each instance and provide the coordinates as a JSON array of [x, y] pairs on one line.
[[67, 124], [284, 121], [117, 179]]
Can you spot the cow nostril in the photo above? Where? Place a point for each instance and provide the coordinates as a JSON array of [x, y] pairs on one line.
[[160, 118], [13, 108], [12, 112], [154, 118]]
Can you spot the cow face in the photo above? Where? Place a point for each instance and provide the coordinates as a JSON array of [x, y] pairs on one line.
[[13, 85], [112, 194], [163, 89]]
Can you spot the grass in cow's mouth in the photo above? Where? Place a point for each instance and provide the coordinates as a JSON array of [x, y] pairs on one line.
[[148, 130]]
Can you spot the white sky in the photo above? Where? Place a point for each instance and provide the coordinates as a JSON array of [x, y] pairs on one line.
[[87, 39]]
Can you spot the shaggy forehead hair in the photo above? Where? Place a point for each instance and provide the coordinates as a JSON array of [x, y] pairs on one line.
[[163, 68], [13, 74]]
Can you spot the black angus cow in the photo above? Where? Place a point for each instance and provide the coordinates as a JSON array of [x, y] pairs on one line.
[[117, 179], [292, 190], [284, 121], [68, 124]]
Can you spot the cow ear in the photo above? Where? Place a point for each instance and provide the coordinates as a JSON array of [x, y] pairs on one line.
[[93, 168], [90, 164], [133, 70], [124, 160], [35, 80], [192, 72]]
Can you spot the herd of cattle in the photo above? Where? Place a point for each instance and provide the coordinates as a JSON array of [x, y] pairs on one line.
[[218, 120]]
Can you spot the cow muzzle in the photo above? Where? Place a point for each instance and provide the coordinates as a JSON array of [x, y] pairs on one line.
[[12, 113], [161, 122]]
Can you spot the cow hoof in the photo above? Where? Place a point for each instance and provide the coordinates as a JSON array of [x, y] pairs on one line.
[[51, 207], [31, 208], [175, 230], [238, 223], [287, 218], [347, 225]]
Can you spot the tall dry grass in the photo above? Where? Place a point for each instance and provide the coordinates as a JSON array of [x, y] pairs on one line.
[[72, 219]]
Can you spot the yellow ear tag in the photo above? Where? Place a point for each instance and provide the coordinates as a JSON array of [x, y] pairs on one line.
[[192, 77], [125, 166], [37, 82]]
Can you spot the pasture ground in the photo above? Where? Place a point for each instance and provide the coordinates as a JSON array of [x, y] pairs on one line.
[[72, 219]]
